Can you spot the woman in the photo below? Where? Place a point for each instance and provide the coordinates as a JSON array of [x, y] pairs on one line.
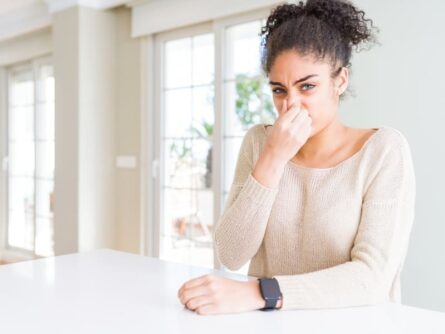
[[323, 211]]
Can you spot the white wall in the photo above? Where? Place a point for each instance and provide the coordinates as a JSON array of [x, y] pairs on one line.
[[25, 47], [401, 84], [85, 75], [97, 85], [128, 134], [66, 71]]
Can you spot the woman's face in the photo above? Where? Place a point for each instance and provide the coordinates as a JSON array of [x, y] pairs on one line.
[[300, 79]]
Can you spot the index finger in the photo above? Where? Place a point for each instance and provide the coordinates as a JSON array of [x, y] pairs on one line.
[[193, 282], [292, 112]]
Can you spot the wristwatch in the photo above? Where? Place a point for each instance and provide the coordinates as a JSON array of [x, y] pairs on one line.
[[270, 291]]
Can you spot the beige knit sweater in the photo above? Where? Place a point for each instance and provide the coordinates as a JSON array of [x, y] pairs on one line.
[[333, 237]]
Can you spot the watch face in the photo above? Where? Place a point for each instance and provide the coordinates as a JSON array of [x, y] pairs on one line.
[[270, 289]]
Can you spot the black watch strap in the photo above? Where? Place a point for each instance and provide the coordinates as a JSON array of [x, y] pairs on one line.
[[270, 291]]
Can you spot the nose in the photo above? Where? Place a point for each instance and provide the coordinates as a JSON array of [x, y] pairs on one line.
[[293, 99]]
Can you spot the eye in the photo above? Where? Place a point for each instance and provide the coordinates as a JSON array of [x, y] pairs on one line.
[[307, 86], [278, 91]]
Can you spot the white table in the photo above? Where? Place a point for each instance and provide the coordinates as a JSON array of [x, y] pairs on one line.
[[112, 292]]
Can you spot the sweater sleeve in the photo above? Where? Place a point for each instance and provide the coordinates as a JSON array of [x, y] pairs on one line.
[[379, 247], [240, 230]]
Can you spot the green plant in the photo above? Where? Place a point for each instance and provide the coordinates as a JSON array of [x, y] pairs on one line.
[[203, 130], [180, 150], [252, 104]]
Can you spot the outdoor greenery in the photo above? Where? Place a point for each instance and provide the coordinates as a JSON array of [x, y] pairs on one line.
[[253, 106]]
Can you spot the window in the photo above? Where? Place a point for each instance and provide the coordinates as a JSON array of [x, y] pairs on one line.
[[30, 168], [211, 91], [187, 96]]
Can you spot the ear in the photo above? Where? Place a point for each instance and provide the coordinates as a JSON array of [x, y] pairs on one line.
[[342, 81]]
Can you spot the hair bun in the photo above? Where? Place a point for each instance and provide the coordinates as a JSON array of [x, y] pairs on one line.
[[283, 13], [343, 16], [322, 28]]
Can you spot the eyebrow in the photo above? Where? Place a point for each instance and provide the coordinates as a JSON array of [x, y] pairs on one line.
[[299, 80]]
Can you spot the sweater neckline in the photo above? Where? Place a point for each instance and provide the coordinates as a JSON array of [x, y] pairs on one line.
[[341, 163]]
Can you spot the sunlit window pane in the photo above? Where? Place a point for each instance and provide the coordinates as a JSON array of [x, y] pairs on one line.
[[203, 59], [21, 158], [21, 122], [233, 126], [188, 114], [203, 114], [188, 100], [45, 84], [22, 93], [21, 212], [45, 161], [45, 121], [178, 112], [177, 163], [243, 50], [31, 159], [178, 61]]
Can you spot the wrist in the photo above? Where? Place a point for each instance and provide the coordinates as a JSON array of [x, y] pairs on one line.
[[257, 299], [269, 169], [272, 158]]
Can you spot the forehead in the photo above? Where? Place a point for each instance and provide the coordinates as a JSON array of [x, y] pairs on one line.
[[291, 64]]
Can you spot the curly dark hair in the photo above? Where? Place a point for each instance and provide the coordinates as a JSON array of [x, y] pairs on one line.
[[325, 29]]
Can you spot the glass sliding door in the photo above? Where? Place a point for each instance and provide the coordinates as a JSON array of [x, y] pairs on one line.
[[186, 145], [31, 158]]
